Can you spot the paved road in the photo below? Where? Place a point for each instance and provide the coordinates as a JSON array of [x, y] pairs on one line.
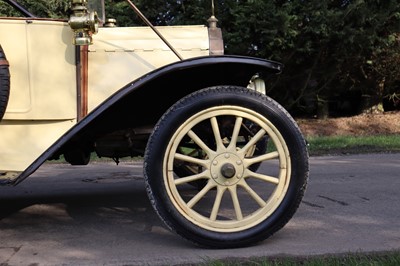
[[100, 215]]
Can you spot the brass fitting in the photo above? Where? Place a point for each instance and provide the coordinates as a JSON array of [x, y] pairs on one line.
[[110, 23], [82, 22]]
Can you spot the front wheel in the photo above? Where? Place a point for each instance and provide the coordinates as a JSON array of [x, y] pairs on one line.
[[216, 133]]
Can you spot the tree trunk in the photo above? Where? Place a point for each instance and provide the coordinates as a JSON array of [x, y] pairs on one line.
[[322, 109], [370, 105]]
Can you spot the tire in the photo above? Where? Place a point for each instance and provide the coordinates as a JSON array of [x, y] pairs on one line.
[[238, 205], [4, 83], [77, 157]]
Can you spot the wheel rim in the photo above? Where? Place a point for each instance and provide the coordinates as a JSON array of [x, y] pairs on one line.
[[233, 198]]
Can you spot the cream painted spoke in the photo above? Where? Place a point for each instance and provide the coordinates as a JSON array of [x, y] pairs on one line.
[[236, 204], [199, 142], [235, 133], [253, 141], [266, 178], [253, 194], [217, 134], [183, 157], [261, 158], [217, 203], [187, 179], [201, 194]]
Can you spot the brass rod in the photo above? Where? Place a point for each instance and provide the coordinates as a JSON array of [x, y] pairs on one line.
[[140, 14]]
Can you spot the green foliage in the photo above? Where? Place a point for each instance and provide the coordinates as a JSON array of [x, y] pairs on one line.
[[329, 54], [6, 10], [39, 8], [160, 12], [334, 51]]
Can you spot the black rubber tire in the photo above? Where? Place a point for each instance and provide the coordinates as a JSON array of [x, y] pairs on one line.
[[163, 187], [77, 157], [4, 83]]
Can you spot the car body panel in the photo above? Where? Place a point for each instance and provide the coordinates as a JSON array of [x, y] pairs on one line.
[[42, 68], [120, 55]]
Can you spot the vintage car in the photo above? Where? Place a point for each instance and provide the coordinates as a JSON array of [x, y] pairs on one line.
[[224, 165]]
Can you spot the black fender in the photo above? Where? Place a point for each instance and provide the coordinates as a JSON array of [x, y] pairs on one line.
[[4, 82], [152, 94], [144, 100]]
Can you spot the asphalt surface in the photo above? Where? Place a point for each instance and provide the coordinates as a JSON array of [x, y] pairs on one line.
[[100, 215]]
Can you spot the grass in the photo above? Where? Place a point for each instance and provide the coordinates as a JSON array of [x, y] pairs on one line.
[[390, 258], [353, 145]]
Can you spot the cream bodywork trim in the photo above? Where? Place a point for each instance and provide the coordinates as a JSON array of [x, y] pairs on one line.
[[21, 142], [121, 55]]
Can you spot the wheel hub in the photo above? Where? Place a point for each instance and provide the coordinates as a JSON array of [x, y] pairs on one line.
[[227, 169]]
